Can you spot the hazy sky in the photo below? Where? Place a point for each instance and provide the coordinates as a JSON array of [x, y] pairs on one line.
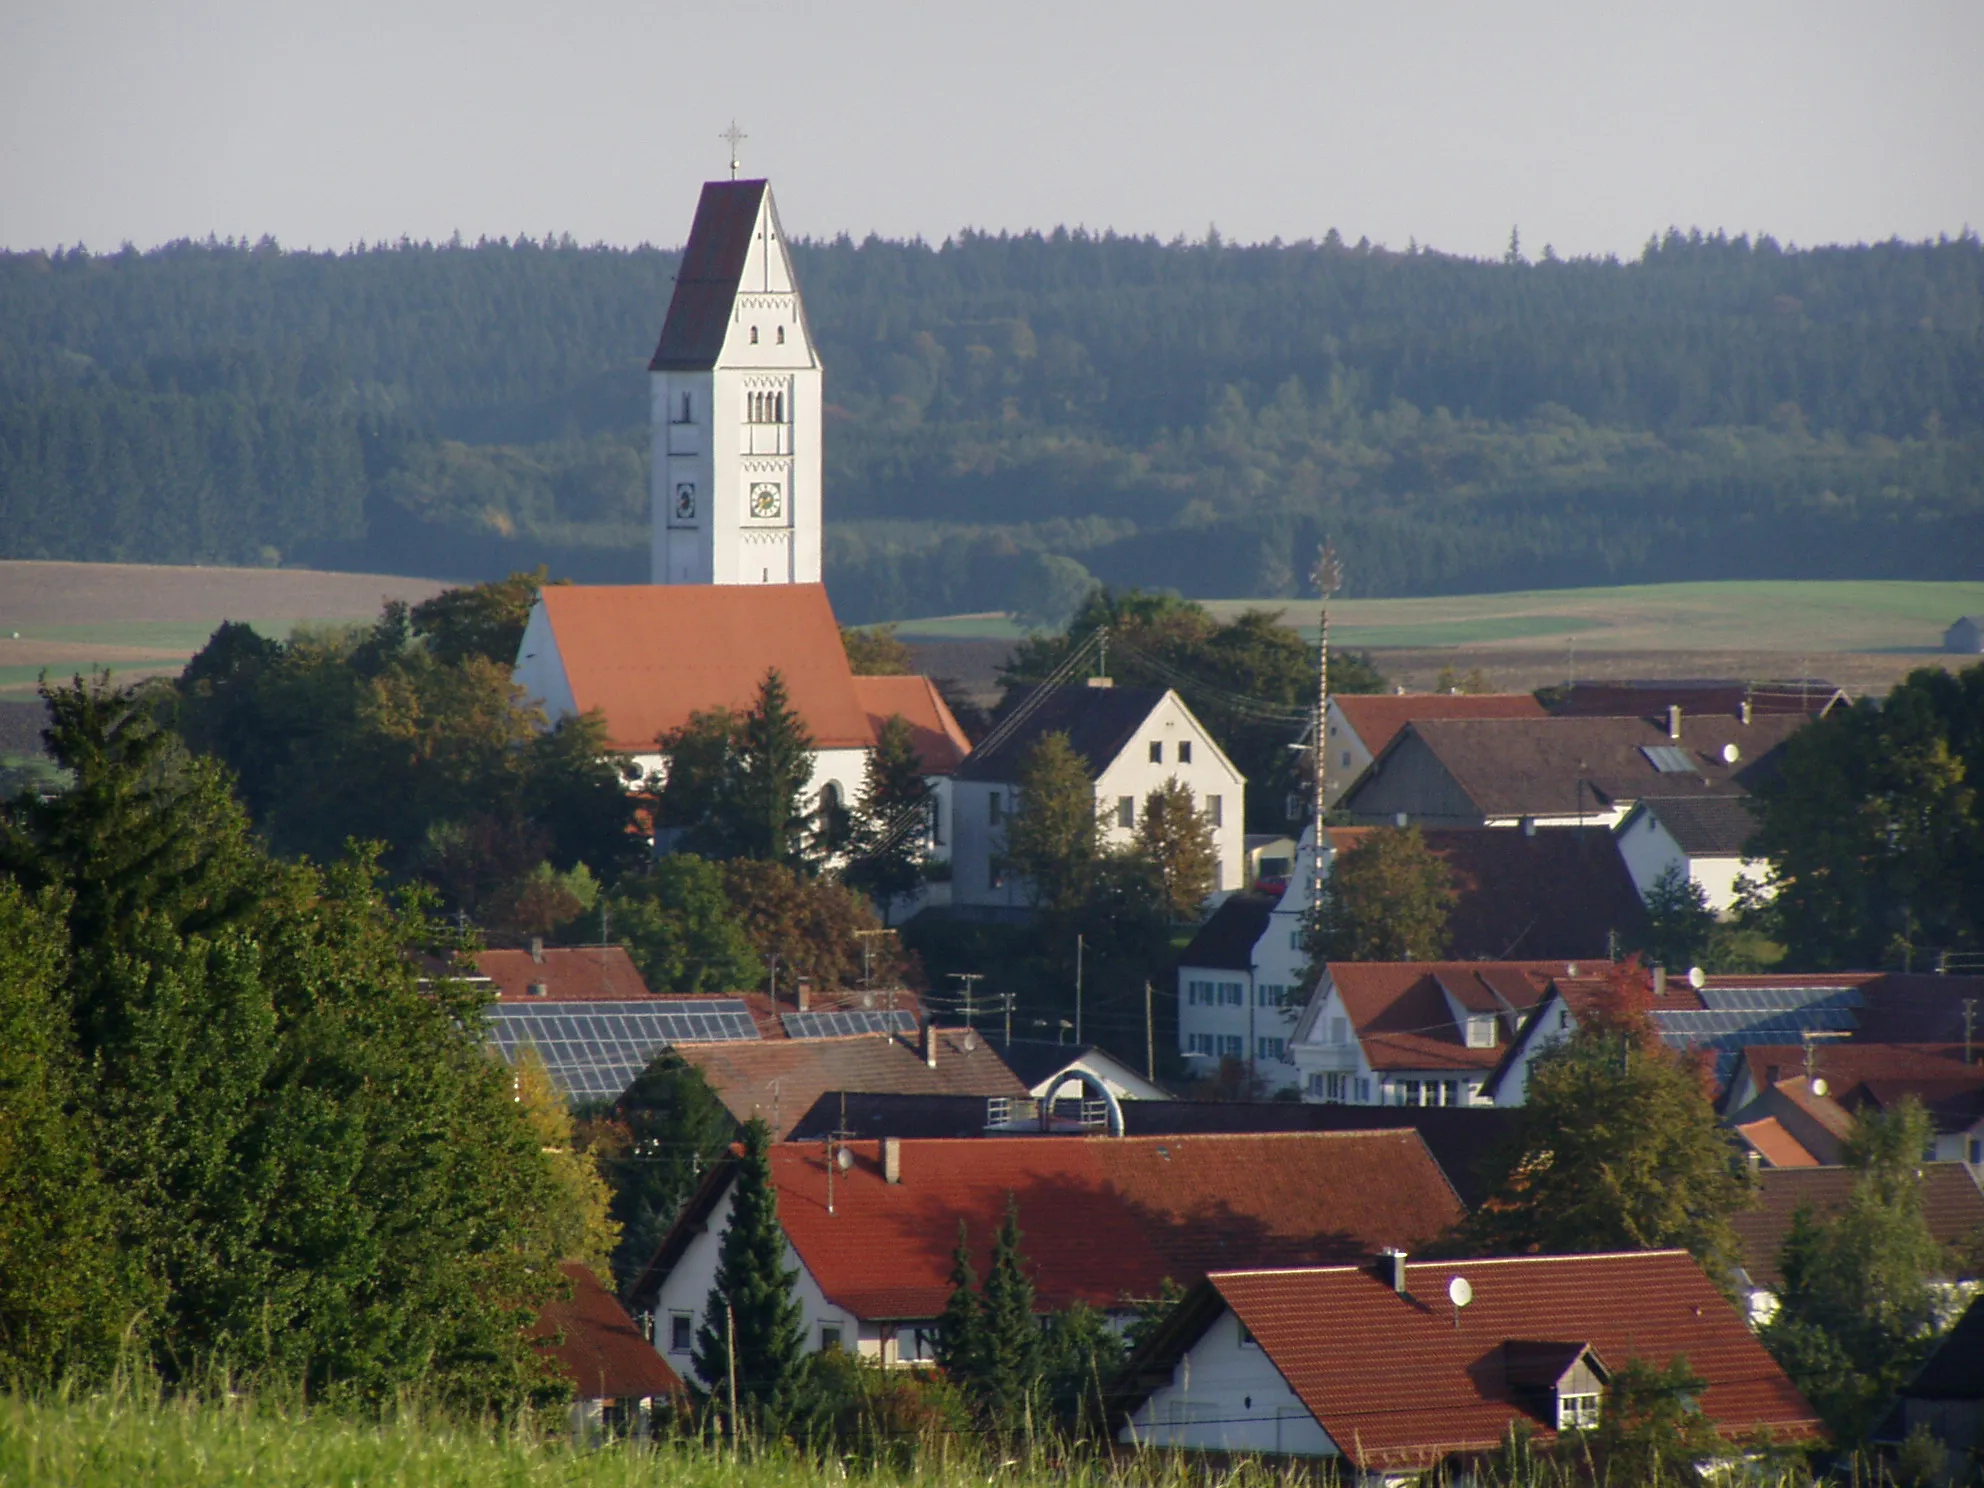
[[1591, 125]]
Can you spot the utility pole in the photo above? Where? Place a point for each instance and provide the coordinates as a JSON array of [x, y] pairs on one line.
[[1079, 946], [730, 1357], [1328, 578], [1150, 1039], [971, 979]]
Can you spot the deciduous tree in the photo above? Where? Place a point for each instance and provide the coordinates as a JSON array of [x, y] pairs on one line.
[[1386, 899], [677, 922], [1178, 840], [1052, 837], [875, 651]]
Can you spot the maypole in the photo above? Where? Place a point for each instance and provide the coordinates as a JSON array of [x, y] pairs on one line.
[[1328, 578]]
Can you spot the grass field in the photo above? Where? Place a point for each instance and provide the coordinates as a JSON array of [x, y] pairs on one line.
[[1789, 617]]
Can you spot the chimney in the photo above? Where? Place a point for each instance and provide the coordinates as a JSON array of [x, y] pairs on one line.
[[1529, 826], [1745, 711], [1391, 1269], [930, 1042], [1659, 981], [1674, 722], [539, 989], [892, 1159], [803, 991], [537, 949]]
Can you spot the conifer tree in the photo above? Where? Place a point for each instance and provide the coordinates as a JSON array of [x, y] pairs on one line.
[[1009, 1370], [752, 1300], [775, 762], [887, 859], [961, 1327]]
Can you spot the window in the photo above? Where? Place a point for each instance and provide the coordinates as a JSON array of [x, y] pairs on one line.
[[1157, 751], [1976, 1151], [1216, 811], [1270, 994], [1295, 940], [1198, 1043], [1346, 759], [1481, 1032], [1126, 811], [754, 335], [994, 874], [1233, 994], [1364, 1088], [995, 809], [1336, 1087], [1339, 1031], [1231, 1045], [681, 1332], [1270, 1048], [1246, 1336], [1563, 1017], [1407, 1092], [1576, 1412], [829, 1336], [686, 418], [781, 335], [1184, 751]]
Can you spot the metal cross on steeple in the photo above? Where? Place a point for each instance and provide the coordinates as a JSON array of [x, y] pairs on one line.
[[736, 137]]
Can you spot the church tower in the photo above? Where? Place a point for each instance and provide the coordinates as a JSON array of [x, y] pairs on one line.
[[735, 386]]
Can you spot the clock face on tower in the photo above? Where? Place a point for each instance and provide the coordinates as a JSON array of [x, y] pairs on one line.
[[685, 501], [767, 500]]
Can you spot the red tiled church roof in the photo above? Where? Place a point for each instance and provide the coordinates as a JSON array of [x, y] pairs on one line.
[[1396, 1382], [940, 743]]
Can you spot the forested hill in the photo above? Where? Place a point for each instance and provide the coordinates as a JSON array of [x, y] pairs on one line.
[[1192, 415]]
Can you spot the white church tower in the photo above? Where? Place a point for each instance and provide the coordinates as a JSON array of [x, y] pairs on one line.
[[736, 405]]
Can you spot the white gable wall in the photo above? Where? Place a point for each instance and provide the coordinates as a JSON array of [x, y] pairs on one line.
[[540, 670], [1225, 1395], [1215, 784], [1649, 851]]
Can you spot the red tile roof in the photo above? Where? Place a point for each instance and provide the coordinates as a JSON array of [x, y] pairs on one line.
[[649, 655], [1104, 1217], [1952, 1202], [1858, 1073], [1395, 1382], [1776, 1145], [598, 1347], [1401, 1016], [780, 1079], [567, 974], [940, 743], [1379, 716]]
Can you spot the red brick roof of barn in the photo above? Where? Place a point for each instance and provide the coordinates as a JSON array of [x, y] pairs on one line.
[[599, 1348], [1397, 1382], [1103, 1218]]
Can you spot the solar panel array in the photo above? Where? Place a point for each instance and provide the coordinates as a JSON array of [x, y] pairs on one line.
[[1780, 999], [595, 1050], [838, 1023]]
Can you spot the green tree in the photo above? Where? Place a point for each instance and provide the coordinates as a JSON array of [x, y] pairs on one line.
[[676, 921], [1856, 1314], [1872, 825], [808, 927], [775, 762], [585, 1229], [876, 651], [753, 1300], [961, 1325], [1386, 899], [653, 1146], [1680, 925], [1651, 1429], [1616, 1147], [1051, 587], [485, 620], [1080, 1356], [888, 846], [1009, 1374], [1178, 839], [1052, 837]]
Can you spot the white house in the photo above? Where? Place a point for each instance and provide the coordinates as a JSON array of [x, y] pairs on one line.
[[1395, 1369], [1700, 837], [1132, 740], [1415, 1033], [736, 412]]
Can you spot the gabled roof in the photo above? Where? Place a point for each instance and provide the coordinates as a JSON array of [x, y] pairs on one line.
[[1952, 1203], [1774, 1144], [1647, 699], [940, 744], [706, 282], [1226, 941], [1400, 1015], [1511, 767], [1402, 1381], [1102, 1217], [1555, 892], [566, 973], [1702, 827], [649, 655], [1857, 1073], [598, 1347], [780, 1080], [1378, 716], [1099, 723]]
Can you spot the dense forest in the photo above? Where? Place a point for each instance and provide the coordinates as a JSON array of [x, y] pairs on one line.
[[1192, 415]]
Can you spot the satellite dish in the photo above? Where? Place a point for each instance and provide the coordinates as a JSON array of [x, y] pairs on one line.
[[844, 1159], [1818, 1087], [970, 1040], [1731, 754], [1696, 979], [1460, 1291]]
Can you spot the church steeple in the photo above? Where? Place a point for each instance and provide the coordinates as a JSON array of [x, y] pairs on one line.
[[735, 384]]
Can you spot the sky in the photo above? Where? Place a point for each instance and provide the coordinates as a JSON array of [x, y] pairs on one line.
[[1587, 126]]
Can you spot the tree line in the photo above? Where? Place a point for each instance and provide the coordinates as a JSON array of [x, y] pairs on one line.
[[1181, 414]]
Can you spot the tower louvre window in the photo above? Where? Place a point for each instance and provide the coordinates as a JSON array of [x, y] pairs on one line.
[[781, 335], [754, 335]]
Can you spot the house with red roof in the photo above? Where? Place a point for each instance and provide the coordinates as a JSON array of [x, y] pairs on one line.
[[870, 1226], [1361, 725], [1851, 1075], [1395, 1368], [1416, 1033], [618, 1380]]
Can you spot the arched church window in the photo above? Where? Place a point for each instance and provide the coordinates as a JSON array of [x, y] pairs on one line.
[[754, 335], [778, 408], [781, 335], [751, 400]]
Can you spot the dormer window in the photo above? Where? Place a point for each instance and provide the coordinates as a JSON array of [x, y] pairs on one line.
[[1481, 1032], [1577, 1412]]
